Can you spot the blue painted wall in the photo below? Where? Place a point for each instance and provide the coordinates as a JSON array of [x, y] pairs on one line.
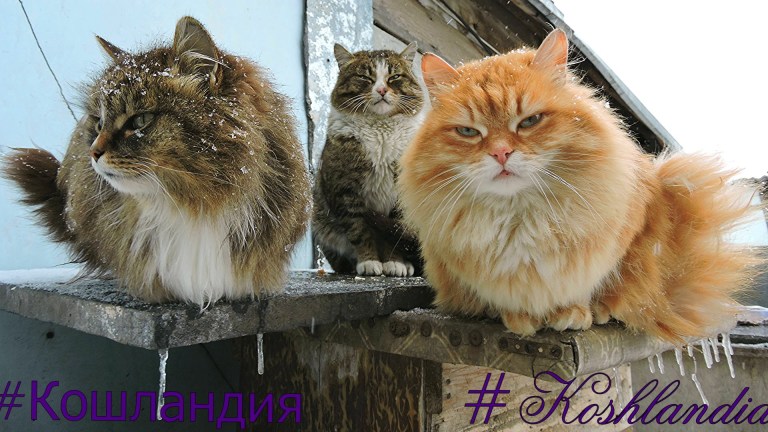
[[32, 113]]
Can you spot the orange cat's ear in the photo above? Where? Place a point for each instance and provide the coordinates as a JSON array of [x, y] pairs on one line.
[[110, 49], [552, 55], [196, 52], [436, 72]]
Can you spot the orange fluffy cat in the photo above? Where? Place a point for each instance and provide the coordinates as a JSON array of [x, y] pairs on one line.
[[532, 203]]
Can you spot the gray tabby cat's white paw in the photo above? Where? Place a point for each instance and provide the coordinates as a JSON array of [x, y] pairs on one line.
[[398, 269], [369, 268]]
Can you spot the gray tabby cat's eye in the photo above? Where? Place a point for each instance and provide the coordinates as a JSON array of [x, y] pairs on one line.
[[395, 77], [530, 121], [140, 121], [364, 78], [467, 131], [99, 124]]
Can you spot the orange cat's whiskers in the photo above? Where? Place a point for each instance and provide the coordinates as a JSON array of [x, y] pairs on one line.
[[456, 192], [573, 189], [459, 195], [538, 182], [440, 185]]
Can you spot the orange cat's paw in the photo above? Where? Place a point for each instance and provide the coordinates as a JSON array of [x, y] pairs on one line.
[[601, 314], [574, 317], [520, 323]]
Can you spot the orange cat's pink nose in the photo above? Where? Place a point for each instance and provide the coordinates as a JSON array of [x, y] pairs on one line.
[[501, 154]]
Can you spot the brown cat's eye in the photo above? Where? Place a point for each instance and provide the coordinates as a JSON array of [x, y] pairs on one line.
[[99, 124], [140, 121], [395, 77], [531, 121], [364, 78]]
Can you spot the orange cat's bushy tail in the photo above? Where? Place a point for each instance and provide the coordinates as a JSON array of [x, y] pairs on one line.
[[34, 171], [703, 272]]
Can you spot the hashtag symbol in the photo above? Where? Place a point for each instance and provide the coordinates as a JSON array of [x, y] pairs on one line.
[[489, 405], [8, 399]]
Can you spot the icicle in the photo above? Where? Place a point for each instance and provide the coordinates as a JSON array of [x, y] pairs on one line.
[[660, 362], [690, 351], [163, 363], [728, 350], [715, 351], [696, 381], [260, 349], [707, 354], [650, 365], [312, 327], [679, 358], [617, 383]]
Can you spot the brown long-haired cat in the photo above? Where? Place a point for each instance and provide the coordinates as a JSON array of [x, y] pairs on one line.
[[185, 179], [533, 203]]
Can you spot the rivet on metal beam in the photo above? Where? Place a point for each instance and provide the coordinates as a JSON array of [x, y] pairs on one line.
[[399, 328], [426, 329], [475, 338], [454, 337]]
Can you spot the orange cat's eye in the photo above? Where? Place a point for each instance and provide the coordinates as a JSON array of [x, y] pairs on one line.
[[530, 121], [467, 132]]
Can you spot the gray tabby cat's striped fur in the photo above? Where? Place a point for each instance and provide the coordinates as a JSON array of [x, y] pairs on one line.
[[376, 110]]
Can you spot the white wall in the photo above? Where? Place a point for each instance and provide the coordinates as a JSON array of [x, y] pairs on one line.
[[32, 112]]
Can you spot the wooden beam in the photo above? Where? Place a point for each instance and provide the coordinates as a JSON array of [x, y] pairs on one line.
[[409, 20]]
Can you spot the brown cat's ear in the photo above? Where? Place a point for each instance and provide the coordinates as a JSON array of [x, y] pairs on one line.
[[110, 49], [436, 71], [196, 52], [552, 55], [410, 51], [343, 56]]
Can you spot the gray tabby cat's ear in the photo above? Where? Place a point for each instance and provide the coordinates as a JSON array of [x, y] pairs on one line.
[[552, 55], [410, 51], [110, 49], [436, 72], [343, 56], [196, 52]]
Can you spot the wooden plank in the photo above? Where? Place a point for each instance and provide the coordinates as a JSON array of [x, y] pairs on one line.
[[342, 388], [408, 20], [101, 308], [459, 379]]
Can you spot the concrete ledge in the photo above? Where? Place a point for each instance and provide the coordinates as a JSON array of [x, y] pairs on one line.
[[101, 308]]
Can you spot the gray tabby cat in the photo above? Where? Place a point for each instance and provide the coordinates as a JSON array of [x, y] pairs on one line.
[[185, 178], [376, 107]]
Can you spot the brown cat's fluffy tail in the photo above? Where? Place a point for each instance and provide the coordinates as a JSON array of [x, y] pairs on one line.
[[34, 172], [703, 272]]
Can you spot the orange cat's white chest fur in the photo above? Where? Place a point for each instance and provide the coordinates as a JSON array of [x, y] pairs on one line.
[[524, 257]]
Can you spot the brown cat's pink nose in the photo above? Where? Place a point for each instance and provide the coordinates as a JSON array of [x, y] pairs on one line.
[[502, 154], [381, 90], [96, 153], [99, 145]]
